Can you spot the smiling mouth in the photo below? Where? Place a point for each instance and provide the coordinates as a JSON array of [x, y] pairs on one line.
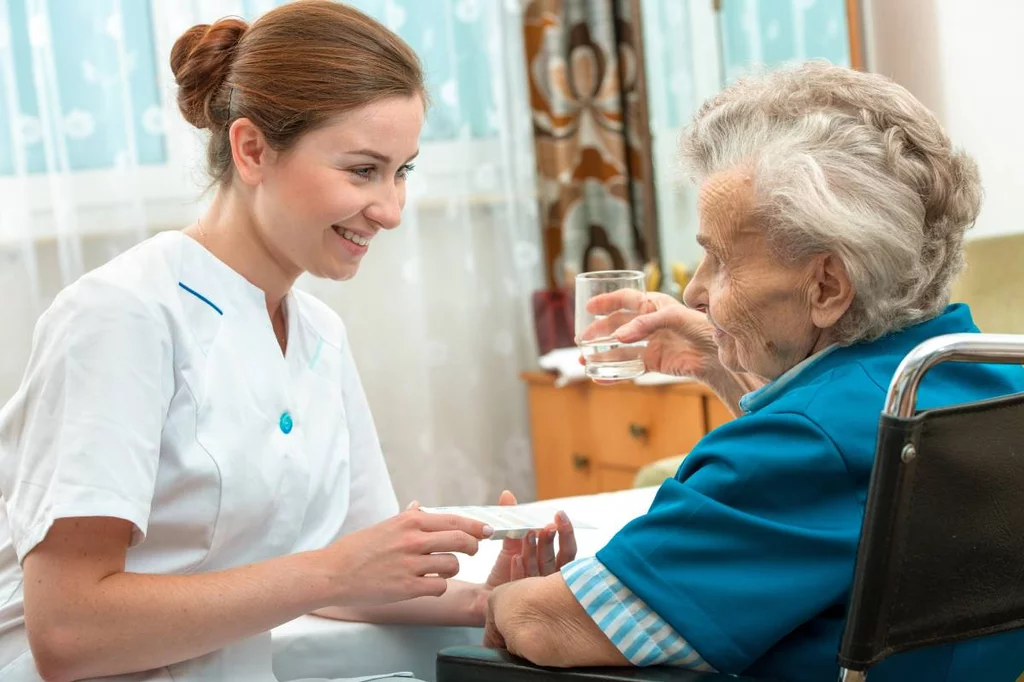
[[351, 236]]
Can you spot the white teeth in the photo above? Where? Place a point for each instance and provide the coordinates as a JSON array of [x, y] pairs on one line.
[[353, 237]]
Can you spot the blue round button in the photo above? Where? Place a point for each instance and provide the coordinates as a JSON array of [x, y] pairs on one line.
[[286, 423]]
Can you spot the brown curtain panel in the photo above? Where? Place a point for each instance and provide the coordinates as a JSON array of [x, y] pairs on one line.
[[587, 93]]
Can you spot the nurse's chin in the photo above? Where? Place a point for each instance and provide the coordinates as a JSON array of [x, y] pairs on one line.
[[336, 272]]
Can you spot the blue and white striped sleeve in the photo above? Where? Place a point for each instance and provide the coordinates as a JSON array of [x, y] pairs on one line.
[[642, 636]]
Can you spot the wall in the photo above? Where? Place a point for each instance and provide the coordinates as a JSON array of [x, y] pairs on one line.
[[963, 59]]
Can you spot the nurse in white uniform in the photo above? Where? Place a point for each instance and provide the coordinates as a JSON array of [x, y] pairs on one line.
[[190, 459]]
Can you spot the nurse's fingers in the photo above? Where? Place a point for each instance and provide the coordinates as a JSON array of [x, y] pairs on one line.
[[442, 565], [449, 541], [566, 539], [430, 586], [443, 522]]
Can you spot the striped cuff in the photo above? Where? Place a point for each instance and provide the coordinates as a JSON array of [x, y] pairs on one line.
[[630, 624]]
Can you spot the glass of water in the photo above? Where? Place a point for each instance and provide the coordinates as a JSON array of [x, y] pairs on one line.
[[605, 301]]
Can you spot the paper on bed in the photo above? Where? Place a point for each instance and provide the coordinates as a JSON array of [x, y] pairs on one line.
[[507, 521]]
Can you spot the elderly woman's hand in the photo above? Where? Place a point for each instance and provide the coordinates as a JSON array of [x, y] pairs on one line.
[[680, 341], [534, 555]]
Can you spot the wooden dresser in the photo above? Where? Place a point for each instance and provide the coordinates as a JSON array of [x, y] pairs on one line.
[[589, 438]]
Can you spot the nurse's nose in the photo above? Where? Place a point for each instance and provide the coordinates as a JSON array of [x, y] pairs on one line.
[[386, 207]]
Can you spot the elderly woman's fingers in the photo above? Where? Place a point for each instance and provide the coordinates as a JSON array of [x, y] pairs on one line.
[[566, 539], [546, 551], [678, 319], [529, 555], [508, 545], [603, 304], [518, 569], [606, 326]]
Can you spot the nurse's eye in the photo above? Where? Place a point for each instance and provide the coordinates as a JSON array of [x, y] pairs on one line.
[[404, 171], [363, 172]]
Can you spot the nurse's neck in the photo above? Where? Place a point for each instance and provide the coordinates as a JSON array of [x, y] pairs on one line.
[[228, 231]]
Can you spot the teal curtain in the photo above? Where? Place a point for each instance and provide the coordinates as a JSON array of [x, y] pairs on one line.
[[77, 66], [755, 33], [65, 57]]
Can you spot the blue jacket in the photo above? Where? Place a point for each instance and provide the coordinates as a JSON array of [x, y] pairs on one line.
[[749, 551]]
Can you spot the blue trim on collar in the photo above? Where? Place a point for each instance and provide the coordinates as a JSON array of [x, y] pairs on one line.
[[201, 297], [757, 399], [956, 318]]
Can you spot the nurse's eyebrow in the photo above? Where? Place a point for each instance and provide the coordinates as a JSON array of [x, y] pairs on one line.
[[383, 158]]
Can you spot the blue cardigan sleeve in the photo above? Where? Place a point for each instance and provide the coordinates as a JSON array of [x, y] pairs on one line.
[[755, 536]]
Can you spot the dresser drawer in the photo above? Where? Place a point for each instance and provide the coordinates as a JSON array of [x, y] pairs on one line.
[[589, 438], [633, 426], [610, 479], [563, 465]]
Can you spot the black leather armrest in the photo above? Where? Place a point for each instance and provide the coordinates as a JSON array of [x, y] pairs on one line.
[[478, 664]]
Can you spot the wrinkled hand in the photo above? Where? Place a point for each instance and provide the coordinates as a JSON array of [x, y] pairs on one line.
[[680, 341], [497, 617], [535, 554]]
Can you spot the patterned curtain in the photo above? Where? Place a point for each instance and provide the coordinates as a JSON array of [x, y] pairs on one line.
[[587, 92]]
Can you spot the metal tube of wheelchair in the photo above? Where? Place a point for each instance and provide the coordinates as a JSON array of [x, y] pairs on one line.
[[995, 348], [846, 675]]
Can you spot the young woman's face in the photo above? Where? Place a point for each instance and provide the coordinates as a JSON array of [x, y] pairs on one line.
[[320, 204]]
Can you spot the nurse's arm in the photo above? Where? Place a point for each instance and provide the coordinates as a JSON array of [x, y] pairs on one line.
[[463, 604], [86, 617], [540, 620]]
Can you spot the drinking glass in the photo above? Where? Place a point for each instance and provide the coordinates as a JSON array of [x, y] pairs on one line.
[[605, 301]]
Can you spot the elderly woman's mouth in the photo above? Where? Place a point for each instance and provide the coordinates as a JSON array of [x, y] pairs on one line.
[[719, 333]]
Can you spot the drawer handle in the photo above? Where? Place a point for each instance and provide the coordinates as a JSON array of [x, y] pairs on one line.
[[638, 432], [579, 461]]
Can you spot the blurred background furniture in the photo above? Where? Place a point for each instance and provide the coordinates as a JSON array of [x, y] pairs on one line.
[[589, 438]]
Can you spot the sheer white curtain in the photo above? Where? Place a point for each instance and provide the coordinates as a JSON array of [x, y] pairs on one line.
[[94, 157], [692, 50]]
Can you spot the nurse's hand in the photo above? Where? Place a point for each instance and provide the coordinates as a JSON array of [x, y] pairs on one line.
[[404, 557], [534, 555]]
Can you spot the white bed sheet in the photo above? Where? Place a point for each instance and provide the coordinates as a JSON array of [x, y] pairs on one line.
[[318, 647]]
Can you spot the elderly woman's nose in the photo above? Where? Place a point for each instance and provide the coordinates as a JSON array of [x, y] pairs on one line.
[[696, 293]]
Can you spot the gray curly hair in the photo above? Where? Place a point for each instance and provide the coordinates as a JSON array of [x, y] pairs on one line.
[[848, 163]]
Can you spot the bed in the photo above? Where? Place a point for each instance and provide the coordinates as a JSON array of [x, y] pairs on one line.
[[318, 647]]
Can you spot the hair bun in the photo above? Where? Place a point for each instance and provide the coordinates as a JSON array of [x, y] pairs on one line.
[[201, 61]]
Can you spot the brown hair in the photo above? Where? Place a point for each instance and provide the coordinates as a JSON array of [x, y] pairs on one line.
[[290, 72]]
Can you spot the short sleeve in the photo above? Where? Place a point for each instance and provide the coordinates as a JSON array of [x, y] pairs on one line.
[[371, 494], [755, 536], [634, 628], [81, 437]]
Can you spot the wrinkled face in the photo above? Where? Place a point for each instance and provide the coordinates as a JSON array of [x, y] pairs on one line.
[[320, 204], [763, 310]]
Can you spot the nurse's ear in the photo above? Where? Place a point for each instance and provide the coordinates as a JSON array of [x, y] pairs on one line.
[[250, 151]]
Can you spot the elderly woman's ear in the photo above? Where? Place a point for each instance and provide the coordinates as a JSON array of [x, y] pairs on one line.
[[830, 292]]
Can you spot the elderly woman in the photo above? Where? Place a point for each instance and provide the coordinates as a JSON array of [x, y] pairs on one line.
[[833, 209]]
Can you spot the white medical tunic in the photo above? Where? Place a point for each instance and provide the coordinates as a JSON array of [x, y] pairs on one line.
[[156, 392]]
